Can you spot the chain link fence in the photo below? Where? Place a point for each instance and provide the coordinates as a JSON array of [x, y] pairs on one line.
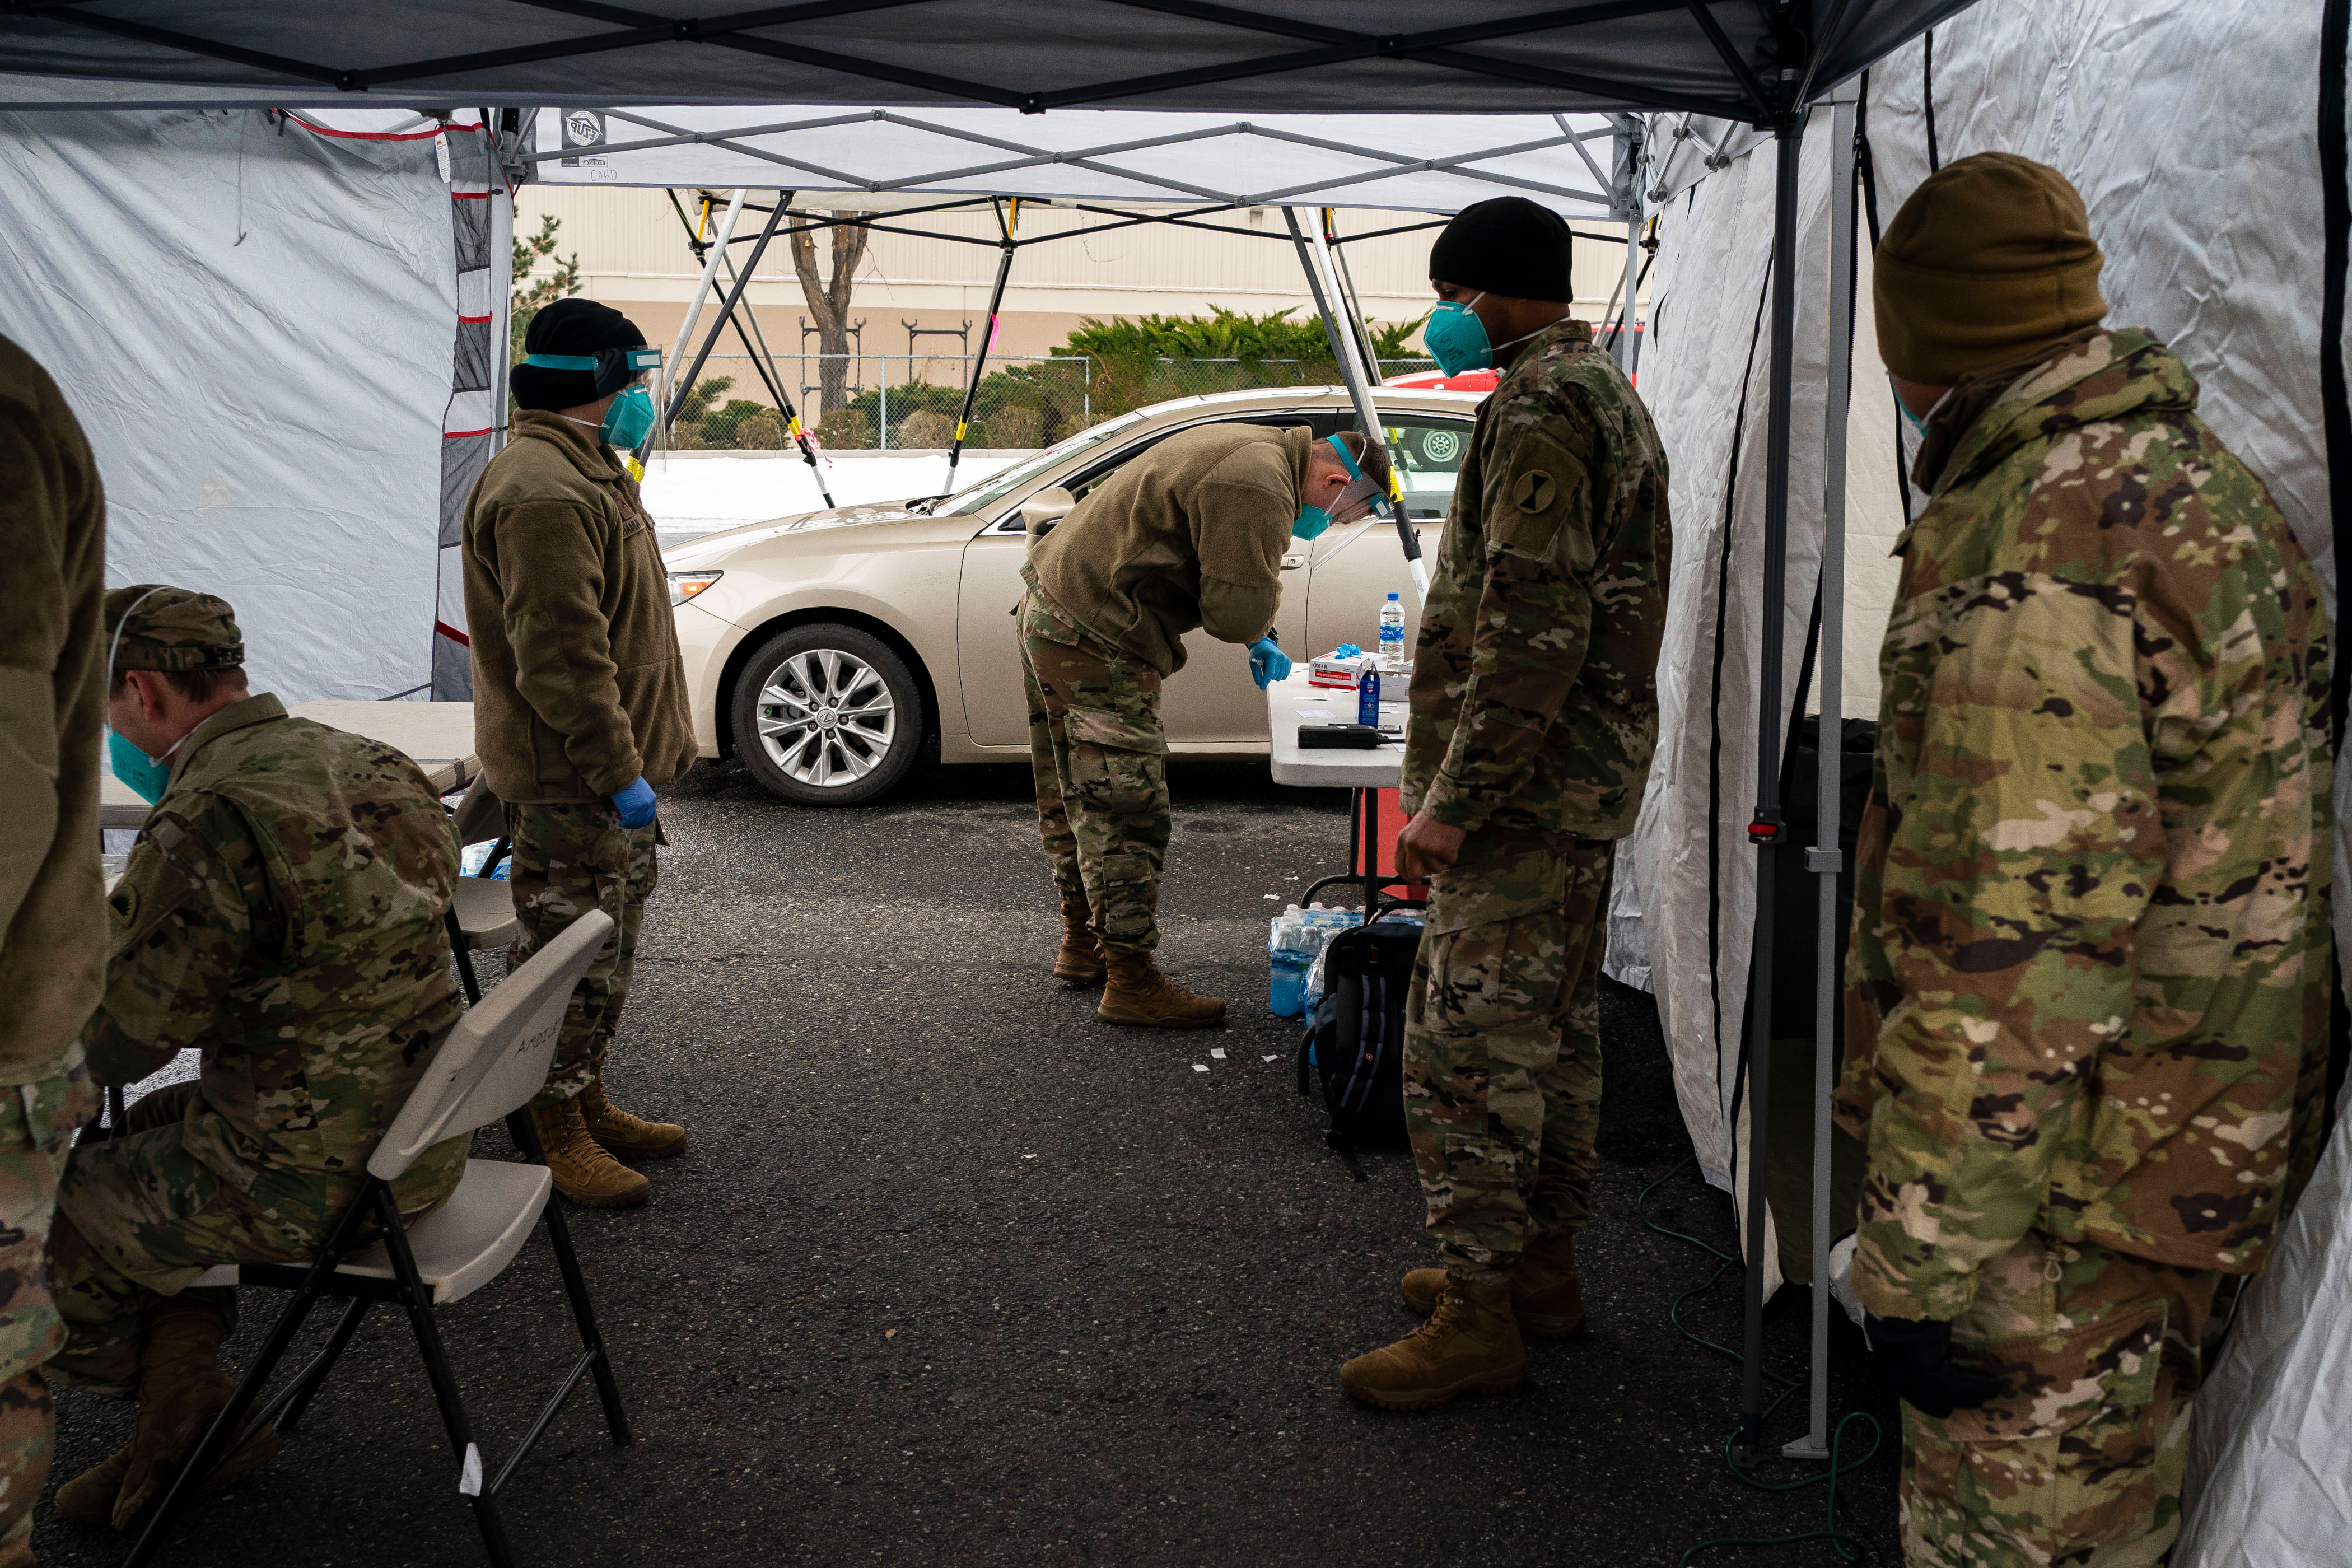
[[897, 401]]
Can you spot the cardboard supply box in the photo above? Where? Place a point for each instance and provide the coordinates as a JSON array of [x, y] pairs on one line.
[[1339, 674]]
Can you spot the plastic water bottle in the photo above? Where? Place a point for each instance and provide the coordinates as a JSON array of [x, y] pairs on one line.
[[1392, 634]]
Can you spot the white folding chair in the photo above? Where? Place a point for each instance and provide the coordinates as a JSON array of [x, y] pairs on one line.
[[490, 1066], [481, 913]]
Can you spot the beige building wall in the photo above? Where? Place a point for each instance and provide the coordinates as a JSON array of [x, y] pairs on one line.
[[634, 257]]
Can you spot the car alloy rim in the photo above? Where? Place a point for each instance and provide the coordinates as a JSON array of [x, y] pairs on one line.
[[825, 718]]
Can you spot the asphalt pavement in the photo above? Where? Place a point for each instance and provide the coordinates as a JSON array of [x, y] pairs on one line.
[[951, 1272]]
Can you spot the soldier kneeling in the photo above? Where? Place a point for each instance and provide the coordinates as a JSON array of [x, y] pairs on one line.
[[282, 913]]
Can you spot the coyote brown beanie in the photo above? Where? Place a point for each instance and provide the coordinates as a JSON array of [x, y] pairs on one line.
[[1989, 258]]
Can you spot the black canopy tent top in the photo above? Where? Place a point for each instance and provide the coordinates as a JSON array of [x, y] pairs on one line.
[[1760, 62], [1743, 59]]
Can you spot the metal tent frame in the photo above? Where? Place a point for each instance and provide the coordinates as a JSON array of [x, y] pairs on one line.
[[1762, 63]]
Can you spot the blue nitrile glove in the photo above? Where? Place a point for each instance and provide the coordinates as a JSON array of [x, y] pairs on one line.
[[1914, 1358], [1268, 662], [636, 804], [1346, 650]]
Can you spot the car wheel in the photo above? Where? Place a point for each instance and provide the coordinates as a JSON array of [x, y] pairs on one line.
[[827, 715]]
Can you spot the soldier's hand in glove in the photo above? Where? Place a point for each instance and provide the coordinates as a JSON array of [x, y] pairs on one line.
[[1268, 662], [636, 804], [1915, 1357]]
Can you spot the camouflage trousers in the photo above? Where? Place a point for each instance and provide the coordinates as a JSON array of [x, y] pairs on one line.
[[139, 1217], [2079, 1462], [37, 1121], [568, 859], [1502, 1045], [1101, 764]]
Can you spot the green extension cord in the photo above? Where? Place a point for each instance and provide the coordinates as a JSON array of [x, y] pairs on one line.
[[1850, 1548]]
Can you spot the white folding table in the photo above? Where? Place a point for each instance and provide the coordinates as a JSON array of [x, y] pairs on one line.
[[1291, 702]]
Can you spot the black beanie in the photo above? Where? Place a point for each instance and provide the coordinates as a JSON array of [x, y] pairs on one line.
[[1508, 245], [569, 327]]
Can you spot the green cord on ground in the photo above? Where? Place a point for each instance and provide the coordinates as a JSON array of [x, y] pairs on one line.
[[1849, 1547]]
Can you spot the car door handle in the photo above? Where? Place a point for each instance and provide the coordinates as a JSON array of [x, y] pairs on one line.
[[1292, 562]]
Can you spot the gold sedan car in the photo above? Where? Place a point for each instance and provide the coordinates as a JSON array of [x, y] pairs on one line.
[[830, 650]]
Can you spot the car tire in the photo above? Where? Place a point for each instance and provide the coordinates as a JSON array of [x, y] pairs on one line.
[[827, 714]]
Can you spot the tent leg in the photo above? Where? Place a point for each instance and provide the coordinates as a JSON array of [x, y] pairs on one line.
[[1824, 859], [711, 258], [980, 360], [1312, 259], [1765, 831], [685, 383]]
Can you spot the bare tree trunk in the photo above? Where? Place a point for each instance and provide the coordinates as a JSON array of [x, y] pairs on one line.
[[828, 302]]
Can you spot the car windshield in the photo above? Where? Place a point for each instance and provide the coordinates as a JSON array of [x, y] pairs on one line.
[[966, 502]]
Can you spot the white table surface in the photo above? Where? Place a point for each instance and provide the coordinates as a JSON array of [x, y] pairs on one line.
[[438, 736], [1291, 702]]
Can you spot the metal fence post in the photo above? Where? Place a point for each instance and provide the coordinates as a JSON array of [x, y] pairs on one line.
[[1087, 390]]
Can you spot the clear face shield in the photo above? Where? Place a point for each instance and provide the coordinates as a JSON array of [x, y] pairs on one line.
[[1354, 503]]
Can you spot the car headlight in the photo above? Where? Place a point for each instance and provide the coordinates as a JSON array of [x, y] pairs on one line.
[[685, 585]]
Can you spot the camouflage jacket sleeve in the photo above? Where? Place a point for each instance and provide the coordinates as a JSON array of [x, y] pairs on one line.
[[1533, 617], [182, 929], [2019, 854]]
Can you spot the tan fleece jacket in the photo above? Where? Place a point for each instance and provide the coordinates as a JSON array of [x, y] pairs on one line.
[[1189, 534], [578, 687], [52, 704]]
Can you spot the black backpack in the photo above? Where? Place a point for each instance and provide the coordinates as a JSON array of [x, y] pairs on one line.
[[1354, 1041]]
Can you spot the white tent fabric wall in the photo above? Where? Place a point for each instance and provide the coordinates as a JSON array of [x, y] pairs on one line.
[[255, 331], [1688, 859]]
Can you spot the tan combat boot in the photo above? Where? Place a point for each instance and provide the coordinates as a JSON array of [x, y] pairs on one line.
[[1080, 962], [1139, 994], [1545, 1296], [582, 1171], [1471, 1340], [618, 1132], [181, 1390]]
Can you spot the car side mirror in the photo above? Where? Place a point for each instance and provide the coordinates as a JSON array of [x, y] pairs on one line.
[[1049, 506]]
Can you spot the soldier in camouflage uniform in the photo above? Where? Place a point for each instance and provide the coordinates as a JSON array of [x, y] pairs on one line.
[[282, 914], [1533, 713], [2088, 985], [1191, 534], [52, 912]]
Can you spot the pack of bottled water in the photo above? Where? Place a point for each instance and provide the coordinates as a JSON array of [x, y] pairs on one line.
[[1295, 940]]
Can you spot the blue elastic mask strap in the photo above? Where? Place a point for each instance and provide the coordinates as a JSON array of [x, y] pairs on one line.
[[1346, 456]]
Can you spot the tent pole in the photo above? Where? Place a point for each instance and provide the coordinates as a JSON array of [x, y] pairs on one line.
[[1323, 286], [710, 259], [1355, 301], [501, 293], [1629, 198], [685, 383], [1765, 831], [980, 361], [763, 360], [1628, 342], [1825, 859]]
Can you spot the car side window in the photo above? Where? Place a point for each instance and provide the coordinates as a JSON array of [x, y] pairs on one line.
[[1428, 453]]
